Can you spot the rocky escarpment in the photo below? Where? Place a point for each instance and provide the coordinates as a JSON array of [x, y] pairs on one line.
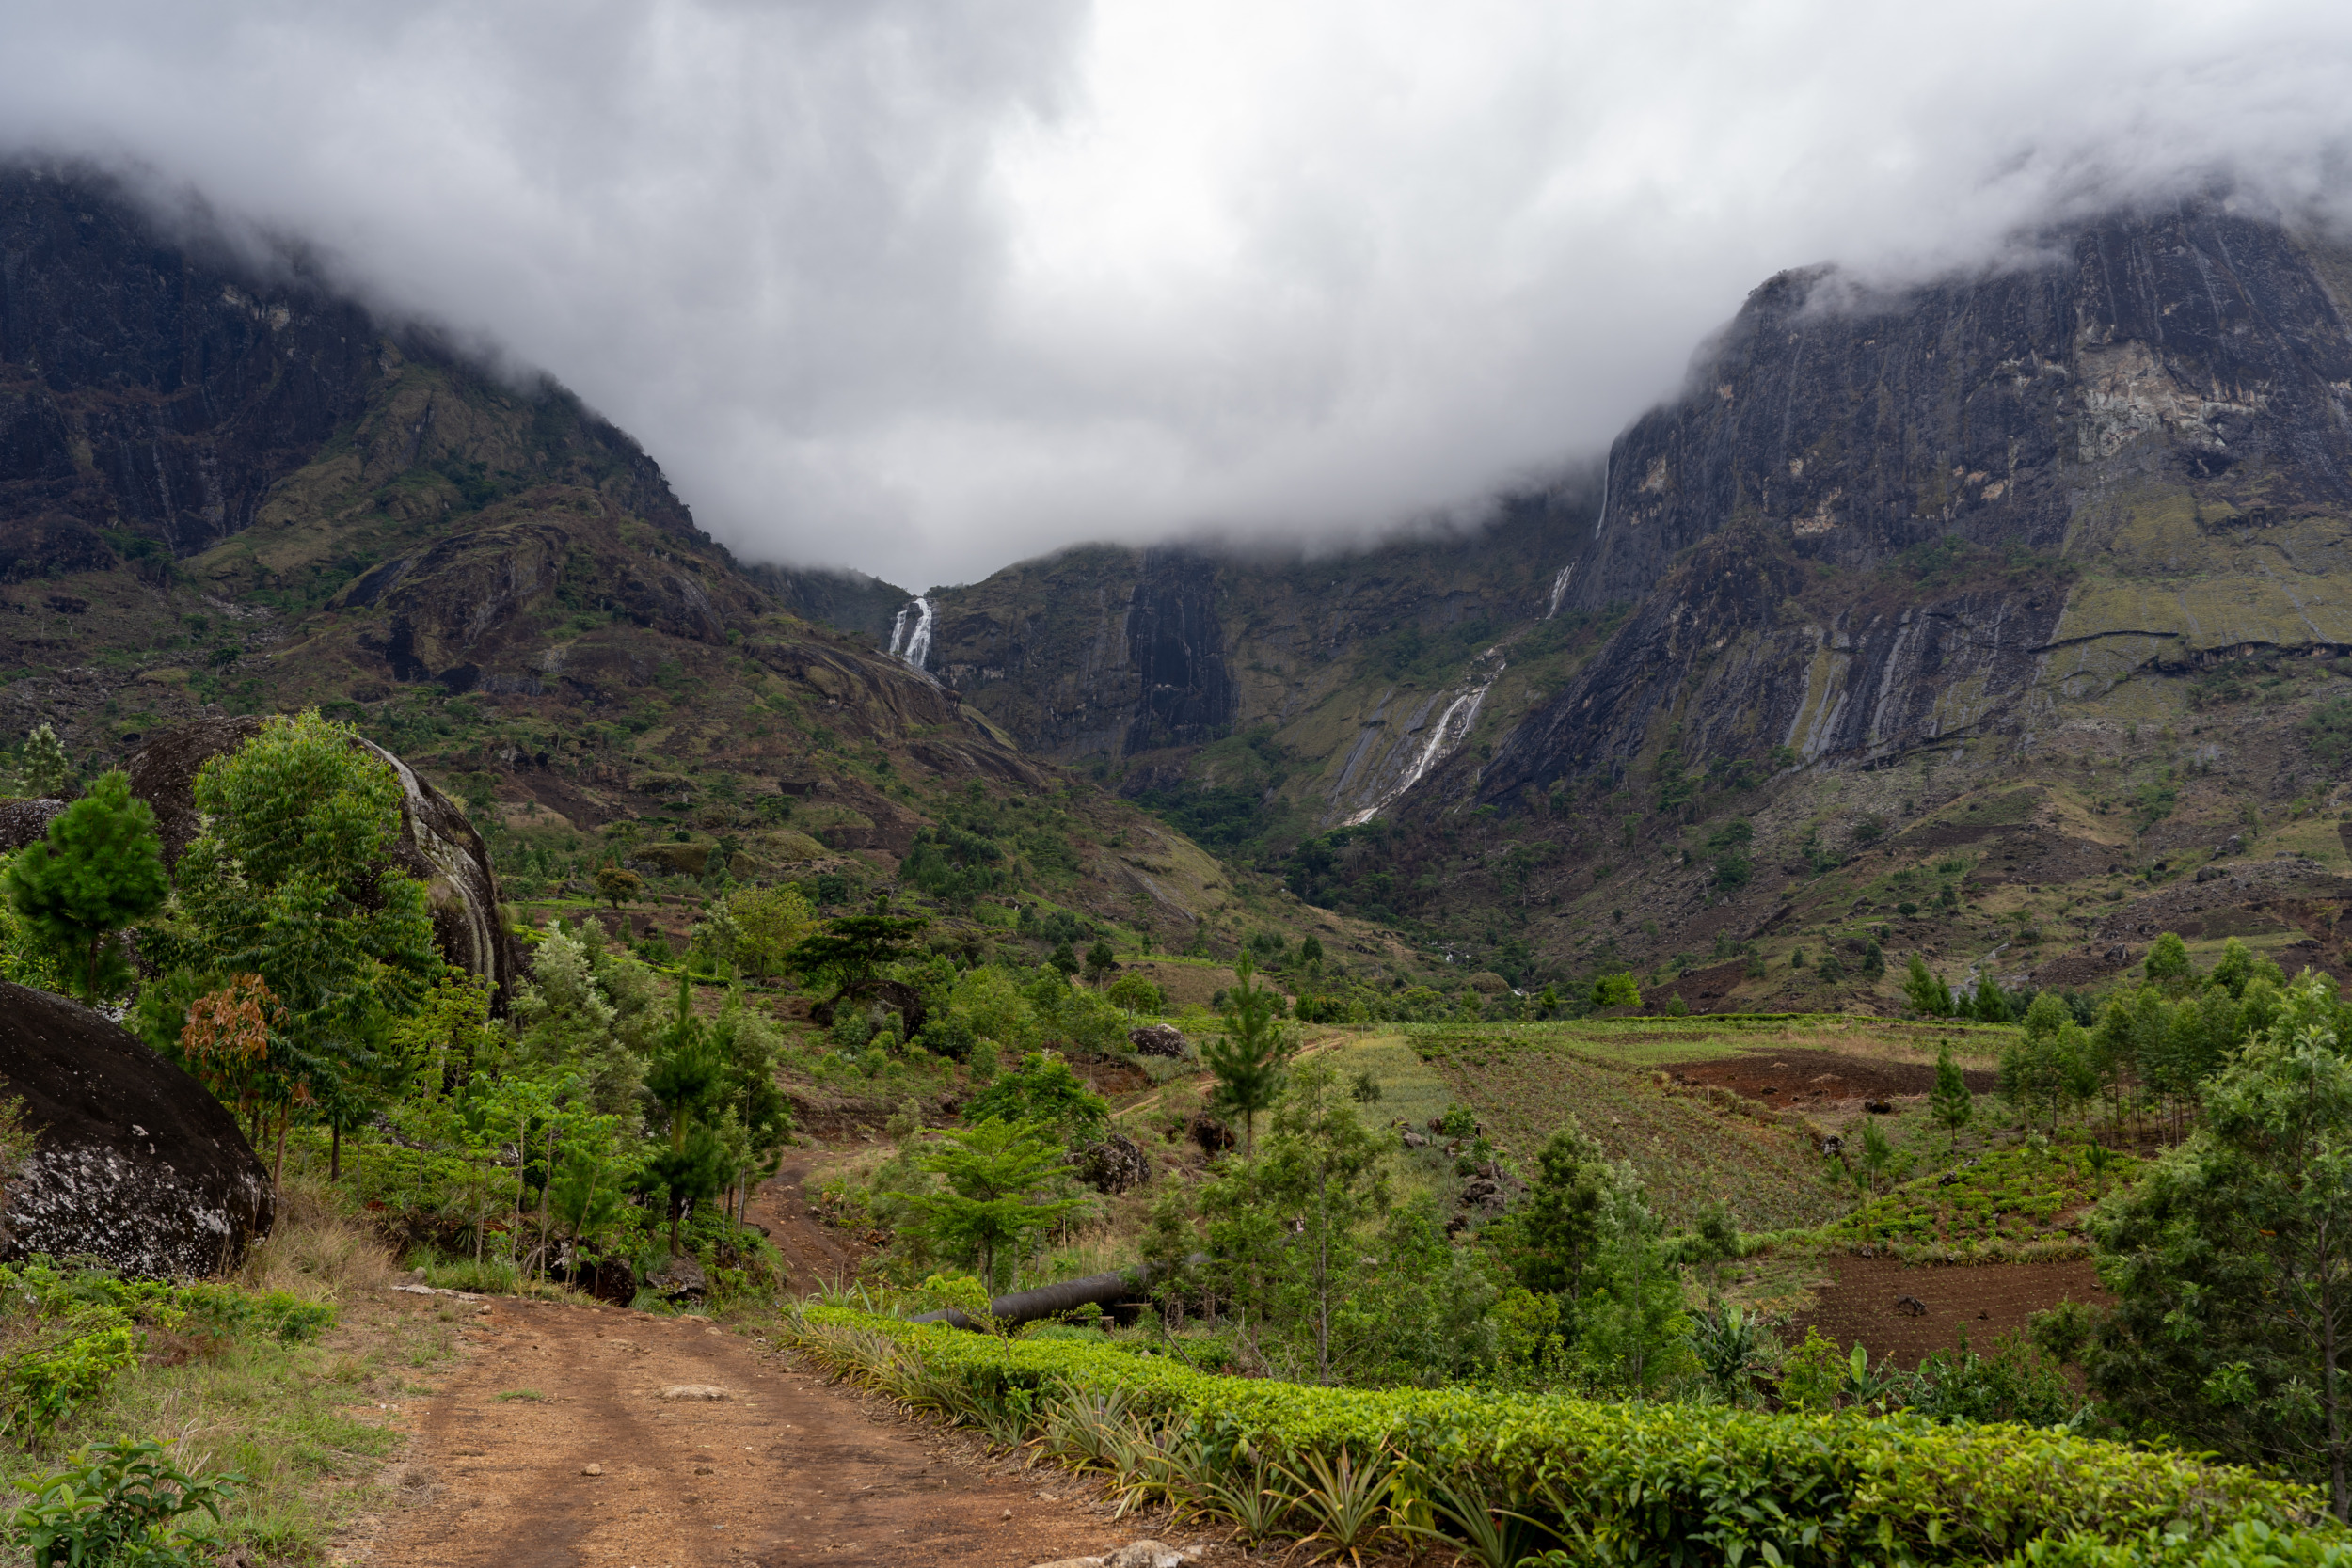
[[1881, 521], [154, 395], [133, 1162]]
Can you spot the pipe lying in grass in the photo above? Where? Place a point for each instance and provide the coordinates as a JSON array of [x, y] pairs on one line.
[[1051, 1301]]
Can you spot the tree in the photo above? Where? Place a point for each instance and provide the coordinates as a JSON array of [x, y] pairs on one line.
[[43, 769], [100, 868], [1102, 963], [768, 922], [2231, 1259], [687, 1080], [1553, 1238], [1323, 1167], [852, 950], [1926, 991], [1135, 994], [1951, 1101], [1249, 1061], [1063, 957], [2167, 963], [1309, 951], [1615, 990], [292, 880], [617, 886], [995, 1173], [1043, 1093]]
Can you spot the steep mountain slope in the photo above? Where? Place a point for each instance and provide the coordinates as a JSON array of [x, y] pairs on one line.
[[2076, 523], [223, 487]]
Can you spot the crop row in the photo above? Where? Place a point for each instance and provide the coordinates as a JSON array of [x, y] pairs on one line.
[[1608, 1483]]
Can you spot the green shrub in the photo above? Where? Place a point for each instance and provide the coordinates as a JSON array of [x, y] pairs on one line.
[[1615, 1483], [113, 1506]]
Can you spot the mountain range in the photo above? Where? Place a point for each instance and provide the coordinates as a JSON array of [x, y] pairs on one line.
[[1993, 618]]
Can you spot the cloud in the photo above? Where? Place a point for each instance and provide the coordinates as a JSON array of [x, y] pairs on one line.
[[923, 288]]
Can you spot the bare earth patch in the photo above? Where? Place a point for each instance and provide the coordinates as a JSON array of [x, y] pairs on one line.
[[785, 1468]]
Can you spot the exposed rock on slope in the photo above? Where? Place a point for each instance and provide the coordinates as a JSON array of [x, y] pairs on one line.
[[133, 1162], [437, 846], [2154, 417]]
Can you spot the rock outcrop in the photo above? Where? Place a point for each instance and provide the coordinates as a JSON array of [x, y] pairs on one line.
[[437, 846], [133, 1162]]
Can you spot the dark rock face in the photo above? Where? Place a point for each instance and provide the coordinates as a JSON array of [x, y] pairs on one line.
[[1852, 425], [437, 846], [164, 403], [134, 1161], [1177, 650], [1756, 527], [850, 600]]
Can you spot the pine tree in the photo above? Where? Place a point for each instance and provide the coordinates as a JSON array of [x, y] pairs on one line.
[[1951, 1101], [45, 770], [100, 868], [1248, 1061]]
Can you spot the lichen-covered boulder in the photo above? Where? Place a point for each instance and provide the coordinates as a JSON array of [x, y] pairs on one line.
[[437, 846], [24, 822], [1158, 1039], [133, 1162]]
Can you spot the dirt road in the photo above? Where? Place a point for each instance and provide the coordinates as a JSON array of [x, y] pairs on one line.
[[814, 1257], [784, 1469]]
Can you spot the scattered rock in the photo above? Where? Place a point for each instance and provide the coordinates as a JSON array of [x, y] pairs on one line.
[[692, 1391], [1878, 1107], [1158, 1039], [2210, 873], [1911, 1307], [133, 1162], [1147, 1554], [1414, 1140], [679, 1280], [1113, 1165], [592, 1469], [1491, 1190], [1213, 1135]]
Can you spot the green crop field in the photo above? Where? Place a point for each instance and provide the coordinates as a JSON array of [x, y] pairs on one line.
[[1524, 1084]]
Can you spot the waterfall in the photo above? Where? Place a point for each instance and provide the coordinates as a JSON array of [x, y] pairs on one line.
[[1452, 727], [898, 629], [1560, 583], [919, 638]]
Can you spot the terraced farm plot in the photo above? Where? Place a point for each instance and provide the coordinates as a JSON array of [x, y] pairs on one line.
[[1411, 1090], [1525, 1085], [2014, 1197]]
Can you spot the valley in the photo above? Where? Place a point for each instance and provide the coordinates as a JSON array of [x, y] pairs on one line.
[[1777, 997]]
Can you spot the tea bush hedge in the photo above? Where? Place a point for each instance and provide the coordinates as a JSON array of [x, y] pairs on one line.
[[1624, 1483]]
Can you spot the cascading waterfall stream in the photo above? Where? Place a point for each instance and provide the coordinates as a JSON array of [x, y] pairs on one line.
[[1560, 583], [913, 645], [1452, 727]]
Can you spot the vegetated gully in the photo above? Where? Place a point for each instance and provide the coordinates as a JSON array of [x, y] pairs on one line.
[[785, 1468]]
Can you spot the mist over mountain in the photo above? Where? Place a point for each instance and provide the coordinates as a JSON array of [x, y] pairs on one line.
[[924, 289]]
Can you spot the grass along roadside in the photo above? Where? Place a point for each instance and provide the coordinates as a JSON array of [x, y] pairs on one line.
[[309, 1424]]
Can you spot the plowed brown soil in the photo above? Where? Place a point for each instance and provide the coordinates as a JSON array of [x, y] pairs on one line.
[[1980, 1301], [1793, 1076]]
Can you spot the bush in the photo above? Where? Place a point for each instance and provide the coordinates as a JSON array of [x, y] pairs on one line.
[[113, 1505], [1614, 1482]]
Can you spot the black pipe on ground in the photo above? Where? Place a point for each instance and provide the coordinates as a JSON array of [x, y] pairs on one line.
[[1051, 1301]]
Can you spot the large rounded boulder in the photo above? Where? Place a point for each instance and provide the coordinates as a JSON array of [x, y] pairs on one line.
[[437, 846], [133, 1162]]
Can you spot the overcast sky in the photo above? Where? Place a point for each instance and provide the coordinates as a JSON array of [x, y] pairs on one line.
[[925, 289]]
